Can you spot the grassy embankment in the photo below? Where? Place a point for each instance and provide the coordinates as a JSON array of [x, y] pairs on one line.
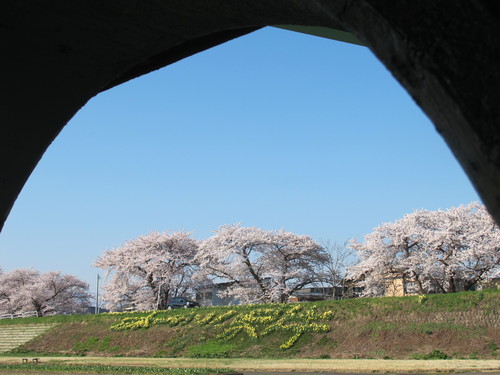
[[462, 325]]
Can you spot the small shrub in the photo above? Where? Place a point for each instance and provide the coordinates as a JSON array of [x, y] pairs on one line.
[[104, 344], [211, 350], [493, 347], [474, 355], [435, 354], [325, 341], [90, 344], [422, 298]]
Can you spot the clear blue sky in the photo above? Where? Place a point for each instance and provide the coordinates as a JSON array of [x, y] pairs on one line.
[[275, 129]]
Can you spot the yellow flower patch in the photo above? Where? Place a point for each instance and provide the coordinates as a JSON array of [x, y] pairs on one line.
[[294, 319]]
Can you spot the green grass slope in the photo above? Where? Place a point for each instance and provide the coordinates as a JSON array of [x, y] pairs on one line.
[[461, 325]]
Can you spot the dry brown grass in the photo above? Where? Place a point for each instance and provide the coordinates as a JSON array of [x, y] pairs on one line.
[[285, 365], [362, 337]]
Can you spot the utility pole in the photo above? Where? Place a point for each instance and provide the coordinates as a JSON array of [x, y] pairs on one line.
[[96, 310]]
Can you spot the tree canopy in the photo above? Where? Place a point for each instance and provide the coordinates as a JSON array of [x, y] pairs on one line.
[[147, 271], [437, 251], [47, 293], [262, 266]]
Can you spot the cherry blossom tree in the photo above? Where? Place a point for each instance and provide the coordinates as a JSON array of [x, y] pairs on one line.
[[147, 271], [49, 293], [440, 251], [14, 287], [263, 266]]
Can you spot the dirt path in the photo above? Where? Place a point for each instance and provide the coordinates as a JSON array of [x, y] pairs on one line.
[[288, 365]]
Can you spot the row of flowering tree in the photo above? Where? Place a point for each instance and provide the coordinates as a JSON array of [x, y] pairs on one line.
[[437, 251], [49, 293], [259, 266]]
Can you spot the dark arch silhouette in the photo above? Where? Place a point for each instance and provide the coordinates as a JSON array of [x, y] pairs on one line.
[[58, 54]]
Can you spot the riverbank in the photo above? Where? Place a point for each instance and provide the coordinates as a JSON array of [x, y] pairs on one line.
[[450, 326]]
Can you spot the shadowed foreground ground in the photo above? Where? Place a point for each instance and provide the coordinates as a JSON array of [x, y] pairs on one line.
[[288, 365]]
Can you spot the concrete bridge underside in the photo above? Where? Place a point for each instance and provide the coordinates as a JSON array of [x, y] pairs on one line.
[[57, 54]]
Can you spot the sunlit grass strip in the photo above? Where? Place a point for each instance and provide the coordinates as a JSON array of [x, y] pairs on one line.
[[108, 369]]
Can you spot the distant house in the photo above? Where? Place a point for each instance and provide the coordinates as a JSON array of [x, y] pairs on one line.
[[212, 295], [91, 310], [349, 290], [488, 284], [398, 286], [312, 294]]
